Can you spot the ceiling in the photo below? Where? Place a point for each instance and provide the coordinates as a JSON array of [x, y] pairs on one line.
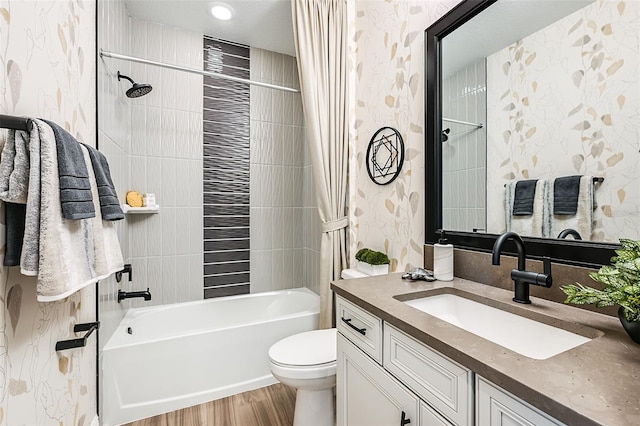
[[500, 25], [264, 24]]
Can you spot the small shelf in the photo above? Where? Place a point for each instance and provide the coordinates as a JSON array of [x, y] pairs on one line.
[[127, 209]]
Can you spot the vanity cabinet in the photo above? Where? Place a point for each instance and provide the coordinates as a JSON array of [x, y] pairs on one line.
[[386, 377], [497, 407], [367, 393]]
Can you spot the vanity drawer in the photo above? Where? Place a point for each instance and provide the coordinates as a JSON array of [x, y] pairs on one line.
[[443, 383], [361, 327]]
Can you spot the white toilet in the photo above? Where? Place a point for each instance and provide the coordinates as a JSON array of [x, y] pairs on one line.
[[307, 362]]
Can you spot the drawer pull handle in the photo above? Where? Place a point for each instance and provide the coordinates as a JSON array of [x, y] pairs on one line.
[[362, 331], [403, 420]]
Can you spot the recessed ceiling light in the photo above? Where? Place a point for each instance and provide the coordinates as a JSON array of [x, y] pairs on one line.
[[222, 11]]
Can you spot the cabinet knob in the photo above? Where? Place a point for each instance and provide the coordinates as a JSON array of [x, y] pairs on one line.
[[404, 420]]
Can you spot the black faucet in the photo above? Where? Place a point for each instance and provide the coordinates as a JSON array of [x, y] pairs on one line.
[[520, 276], [146, 295]]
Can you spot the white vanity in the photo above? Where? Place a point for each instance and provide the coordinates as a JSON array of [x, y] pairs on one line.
[[391, 369], [386, 377]]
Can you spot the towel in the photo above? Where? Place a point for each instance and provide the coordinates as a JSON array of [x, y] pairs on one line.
[[109, 204], [73, 253], [524, 196], [532, 225], [14, 168], [582, 220], [75, 189], [14, 223], [565, 195], [20, 183]]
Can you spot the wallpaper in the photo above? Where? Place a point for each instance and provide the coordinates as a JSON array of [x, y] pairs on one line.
[[387, 51], [47, 66], [567, 102]]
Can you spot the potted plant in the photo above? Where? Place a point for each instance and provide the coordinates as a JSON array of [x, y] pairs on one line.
[[621, 287], [372, 262]]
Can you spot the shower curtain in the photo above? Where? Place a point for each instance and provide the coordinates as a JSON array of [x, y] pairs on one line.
[[320, 32]]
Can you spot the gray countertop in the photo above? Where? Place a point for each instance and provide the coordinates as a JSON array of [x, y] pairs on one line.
[[595, 383]]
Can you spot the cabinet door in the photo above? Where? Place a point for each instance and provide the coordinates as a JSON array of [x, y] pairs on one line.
[[430, 417], [367, 395], [497, 407]]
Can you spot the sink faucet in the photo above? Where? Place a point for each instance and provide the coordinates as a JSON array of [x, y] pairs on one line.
[[520, 276], [146, 295]]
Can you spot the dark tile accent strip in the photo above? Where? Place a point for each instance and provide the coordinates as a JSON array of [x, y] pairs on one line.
[[226, 131], [226, 291]]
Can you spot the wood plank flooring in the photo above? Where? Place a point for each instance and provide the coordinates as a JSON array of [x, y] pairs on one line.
[[269, 406]]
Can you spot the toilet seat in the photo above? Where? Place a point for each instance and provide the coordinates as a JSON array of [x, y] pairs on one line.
[[307, 355]]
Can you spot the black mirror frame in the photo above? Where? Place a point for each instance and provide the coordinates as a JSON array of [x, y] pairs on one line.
[[581, 253]]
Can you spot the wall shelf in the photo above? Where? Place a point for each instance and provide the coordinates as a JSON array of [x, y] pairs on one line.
[[127, 209]]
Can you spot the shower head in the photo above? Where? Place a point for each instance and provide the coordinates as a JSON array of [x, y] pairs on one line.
[[137, 89]]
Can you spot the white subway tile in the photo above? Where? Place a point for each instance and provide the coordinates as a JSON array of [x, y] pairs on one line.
[[168, 231]]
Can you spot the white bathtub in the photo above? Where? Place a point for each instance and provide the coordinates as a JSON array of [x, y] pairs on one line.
[[186, 354]]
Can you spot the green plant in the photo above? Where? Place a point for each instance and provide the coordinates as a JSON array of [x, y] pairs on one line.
[[372, 257], [621, 283]]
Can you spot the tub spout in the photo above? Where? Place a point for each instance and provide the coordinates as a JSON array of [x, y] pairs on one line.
[[146, 295]]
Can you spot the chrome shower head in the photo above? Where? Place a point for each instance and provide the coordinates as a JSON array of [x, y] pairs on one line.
[[137, 89]]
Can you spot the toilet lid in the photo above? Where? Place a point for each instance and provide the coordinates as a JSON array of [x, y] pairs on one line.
[[305, 349]]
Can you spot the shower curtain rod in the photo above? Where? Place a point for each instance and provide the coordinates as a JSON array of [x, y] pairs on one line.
[[450, 120], [104, 53]]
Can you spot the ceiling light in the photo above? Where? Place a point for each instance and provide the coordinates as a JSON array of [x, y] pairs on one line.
[[222, 11]]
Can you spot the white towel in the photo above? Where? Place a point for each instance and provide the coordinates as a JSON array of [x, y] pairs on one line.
[[582, 221], [528, 225], [73, 253]]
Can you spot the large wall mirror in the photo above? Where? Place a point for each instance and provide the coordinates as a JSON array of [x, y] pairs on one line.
[[530, 93]]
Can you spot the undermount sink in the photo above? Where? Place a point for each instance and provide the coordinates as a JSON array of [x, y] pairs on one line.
[[525, 336]]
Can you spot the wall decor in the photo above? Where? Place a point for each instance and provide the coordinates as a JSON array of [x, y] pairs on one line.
[[385, 155]]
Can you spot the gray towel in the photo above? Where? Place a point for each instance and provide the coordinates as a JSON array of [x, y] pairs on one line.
[[524, 196], [75, 188], [565, 195], [14, 221], [109, 204]]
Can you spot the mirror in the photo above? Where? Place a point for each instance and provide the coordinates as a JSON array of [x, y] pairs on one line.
[[554, 92]]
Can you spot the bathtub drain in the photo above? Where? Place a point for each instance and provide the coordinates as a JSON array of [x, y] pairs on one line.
[[129, 330]]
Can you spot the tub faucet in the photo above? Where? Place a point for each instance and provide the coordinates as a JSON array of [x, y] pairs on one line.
[[520, 276], [146, 295]]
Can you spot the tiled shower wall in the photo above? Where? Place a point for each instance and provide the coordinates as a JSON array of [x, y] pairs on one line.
[[464, 95], [114, 139], [226, 170], [283, 254], [166, 159]]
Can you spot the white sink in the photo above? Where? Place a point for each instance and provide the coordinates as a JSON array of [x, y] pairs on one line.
[[527, 337]]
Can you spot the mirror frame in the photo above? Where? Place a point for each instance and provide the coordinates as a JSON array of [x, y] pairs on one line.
[[573, 252]]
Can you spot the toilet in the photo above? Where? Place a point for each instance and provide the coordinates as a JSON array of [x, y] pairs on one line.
[[307, 362]]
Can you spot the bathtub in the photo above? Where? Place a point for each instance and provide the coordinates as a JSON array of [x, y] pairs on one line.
[[165, 358]]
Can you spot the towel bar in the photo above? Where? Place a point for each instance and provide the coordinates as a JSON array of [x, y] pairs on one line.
[[596, 179], [80, 342], [15, 123]]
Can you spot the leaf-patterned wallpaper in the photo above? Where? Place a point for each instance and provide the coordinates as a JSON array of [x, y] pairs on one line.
[[387, 52], [565, 101], [47, 56]]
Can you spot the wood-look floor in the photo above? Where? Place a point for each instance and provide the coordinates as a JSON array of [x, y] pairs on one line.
[[268, 406]]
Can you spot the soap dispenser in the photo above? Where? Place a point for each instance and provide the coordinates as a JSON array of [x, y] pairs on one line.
[[443, 259]]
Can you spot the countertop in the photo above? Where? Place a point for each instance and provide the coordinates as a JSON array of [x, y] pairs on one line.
[[597, 383]]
